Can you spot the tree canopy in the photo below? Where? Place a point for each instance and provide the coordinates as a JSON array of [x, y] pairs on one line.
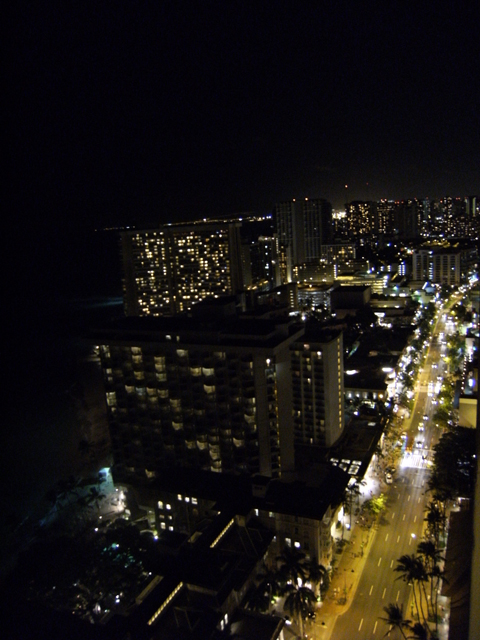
[[453, 472]]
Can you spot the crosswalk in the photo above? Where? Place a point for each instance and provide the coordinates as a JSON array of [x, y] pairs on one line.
[[417, 460]]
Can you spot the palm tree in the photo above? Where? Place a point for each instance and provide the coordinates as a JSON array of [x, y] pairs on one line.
[[299, 603], [431, 557], [435, 520], [420, 632], [259, 600], [269, 585], [395, 618], [292, 567], [317, 574], [353, 490], [413, 571]]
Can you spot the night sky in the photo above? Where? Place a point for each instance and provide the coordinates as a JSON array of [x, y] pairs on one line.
[[131, 113]]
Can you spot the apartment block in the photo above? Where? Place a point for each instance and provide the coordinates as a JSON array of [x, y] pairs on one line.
[[208, 391], [362, 221], [302, 227], [168, 270], [317, 382], [439, 266]]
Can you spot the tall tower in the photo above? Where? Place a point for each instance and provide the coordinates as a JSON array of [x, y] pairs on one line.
[[317, 225], [361, 221], [302, 227], [317, 381]]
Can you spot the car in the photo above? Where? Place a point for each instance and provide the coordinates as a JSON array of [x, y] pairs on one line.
[[404, 435], [434, 365], [425, 417], [421, 427], [388, 478]]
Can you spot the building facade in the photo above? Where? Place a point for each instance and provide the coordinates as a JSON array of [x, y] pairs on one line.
[[302, 226], [168, 270], [439, 266], [193, 392], [362, 221], [317, 382]]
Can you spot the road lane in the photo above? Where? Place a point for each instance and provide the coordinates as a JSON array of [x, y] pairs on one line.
[[403, 523], [379, 584]]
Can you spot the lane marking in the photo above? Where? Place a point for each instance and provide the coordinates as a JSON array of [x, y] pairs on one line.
[[419, 499], [415, 519], [386, 537], [371, 589], [391, 564], [393, 515], [360, 625], [375, 627], [398, 538], [379, 560], [398, 595], [403, 517], [383, 594], [408, 499]]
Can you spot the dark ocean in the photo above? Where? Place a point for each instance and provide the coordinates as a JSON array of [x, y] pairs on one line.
[[60, 289]]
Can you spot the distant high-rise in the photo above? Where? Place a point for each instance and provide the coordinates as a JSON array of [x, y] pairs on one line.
[[362, 221], [261, 263], [440, 266], [385, 217], [302, 227], [408, 218], [169, 269]]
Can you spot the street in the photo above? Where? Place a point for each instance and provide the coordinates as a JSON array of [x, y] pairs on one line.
[[398, 530]]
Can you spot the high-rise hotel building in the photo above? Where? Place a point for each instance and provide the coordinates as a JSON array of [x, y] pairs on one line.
[[317, 381], [439, 266], [169, 269], [208, 391], [362, 221], [302, 227], [212, 390]]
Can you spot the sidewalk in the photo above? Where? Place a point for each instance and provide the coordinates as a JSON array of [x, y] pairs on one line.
[[345, 579]]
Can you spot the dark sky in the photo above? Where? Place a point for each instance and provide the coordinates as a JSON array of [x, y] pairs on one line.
[[128, 112]]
